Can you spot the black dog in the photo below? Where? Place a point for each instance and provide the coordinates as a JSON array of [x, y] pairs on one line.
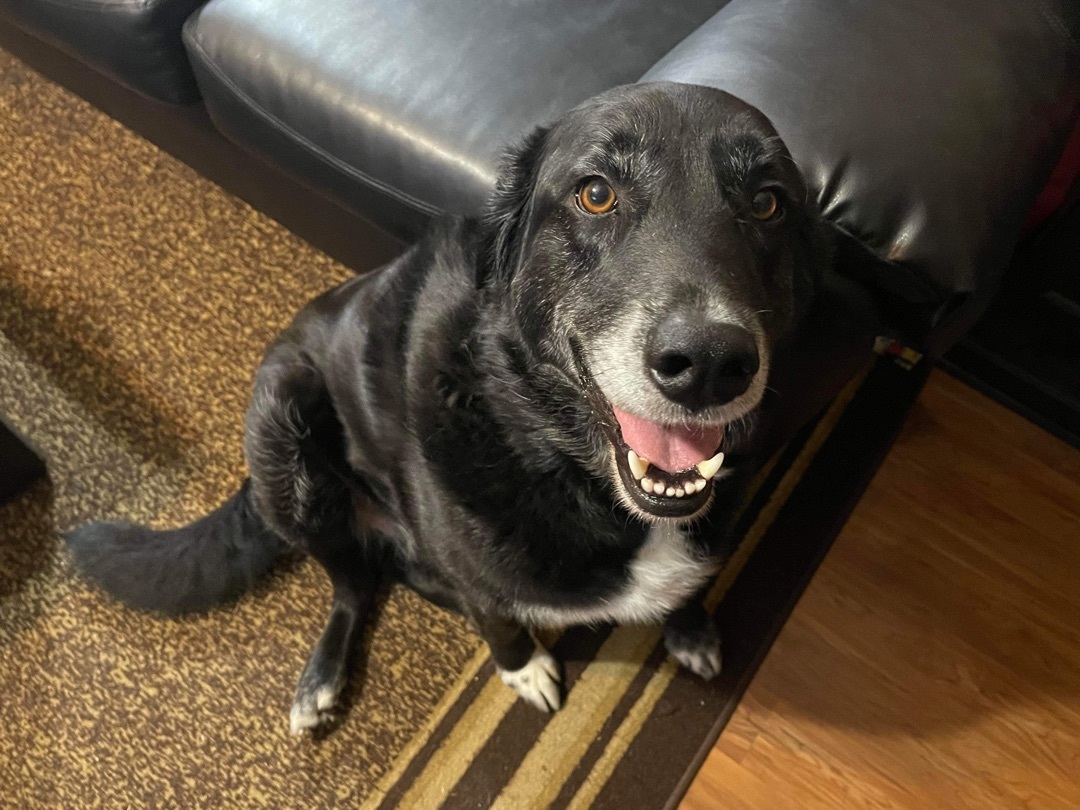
[[523, 415]]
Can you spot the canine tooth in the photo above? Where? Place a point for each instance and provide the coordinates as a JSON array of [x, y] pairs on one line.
[[638, 465], [711, 467], [646, 484], [658, 488]]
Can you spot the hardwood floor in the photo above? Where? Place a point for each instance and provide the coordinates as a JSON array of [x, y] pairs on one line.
[[934, 661]]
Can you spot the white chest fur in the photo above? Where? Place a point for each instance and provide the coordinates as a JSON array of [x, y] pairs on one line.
[[664, 574]]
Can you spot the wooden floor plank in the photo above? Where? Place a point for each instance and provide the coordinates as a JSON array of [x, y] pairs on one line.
[[934, 661]]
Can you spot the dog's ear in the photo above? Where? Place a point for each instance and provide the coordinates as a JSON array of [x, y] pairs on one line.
[[503, 231]]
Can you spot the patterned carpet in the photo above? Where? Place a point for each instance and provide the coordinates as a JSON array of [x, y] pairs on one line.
[[135, 301]]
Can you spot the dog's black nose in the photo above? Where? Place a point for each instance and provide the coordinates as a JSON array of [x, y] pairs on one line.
[[699, 364]]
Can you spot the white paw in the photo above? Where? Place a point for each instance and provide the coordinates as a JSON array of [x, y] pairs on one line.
[[700, 654], [311, 710], [704, 663], [539, 682], [304, 716]]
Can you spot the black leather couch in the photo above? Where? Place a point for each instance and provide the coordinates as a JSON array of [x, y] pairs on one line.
[[927, 127]]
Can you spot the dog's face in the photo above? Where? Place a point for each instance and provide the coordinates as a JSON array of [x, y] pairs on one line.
[[655, 244]]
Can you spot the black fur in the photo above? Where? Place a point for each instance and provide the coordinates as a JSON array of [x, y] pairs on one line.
[[447, 421], [179, 571], [503, 236]]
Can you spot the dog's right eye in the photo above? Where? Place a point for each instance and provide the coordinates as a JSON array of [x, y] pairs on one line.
[[765, 206], [595, 196]]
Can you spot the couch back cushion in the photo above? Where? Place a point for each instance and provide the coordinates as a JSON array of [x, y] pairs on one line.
[[403, 107]]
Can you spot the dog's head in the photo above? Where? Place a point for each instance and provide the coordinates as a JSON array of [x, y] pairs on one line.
[[655, 245]]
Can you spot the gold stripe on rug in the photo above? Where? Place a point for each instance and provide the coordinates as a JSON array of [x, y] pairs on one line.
[[567, 736], [461, 745], [419, 740], [624, 735]]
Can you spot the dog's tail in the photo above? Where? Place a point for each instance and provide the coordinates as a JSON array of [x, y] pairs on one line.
[[187, 570]]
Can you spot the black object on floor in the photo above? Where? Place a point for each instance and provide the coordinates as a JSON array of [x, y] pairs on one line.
[[19, 465]]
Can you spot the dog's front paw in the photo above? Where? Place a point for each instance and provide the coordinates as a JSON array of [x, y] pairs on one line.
[[314, 703], [698, 649], [539, 682]]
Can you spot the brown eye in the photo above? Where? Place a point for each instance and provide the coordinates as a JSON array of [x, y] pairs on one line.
[[596, 196], [765, 205]]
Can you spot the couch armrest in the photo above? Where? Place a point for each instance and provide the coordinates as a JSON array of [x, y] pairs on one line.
[[927, 127]]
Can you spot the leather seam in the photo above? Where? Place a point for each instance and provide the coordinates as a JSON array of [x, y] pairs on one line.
[[301, 140]]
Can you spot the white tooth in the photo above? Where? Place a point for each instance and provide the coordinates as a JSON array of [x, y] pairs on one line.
[[670, 492], [679, 492], [658, 488], [638, 465], [646, 484], [711, 467], [700, 484]]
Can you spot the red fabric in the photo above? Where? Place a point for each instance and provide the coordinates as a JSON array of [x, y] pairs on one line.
[[1061, 180]]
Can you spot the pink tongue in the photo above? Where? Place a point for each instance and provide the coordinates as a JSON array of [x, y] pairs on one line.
[[670, 448]]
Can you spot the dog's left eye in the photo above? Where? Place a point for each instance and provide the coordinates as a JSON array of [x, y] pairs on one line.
[[596, 196], [765, 205]]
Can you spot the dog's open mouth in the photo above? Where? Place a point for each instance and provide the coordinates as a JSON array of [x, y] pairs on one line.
[[667, 470]]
